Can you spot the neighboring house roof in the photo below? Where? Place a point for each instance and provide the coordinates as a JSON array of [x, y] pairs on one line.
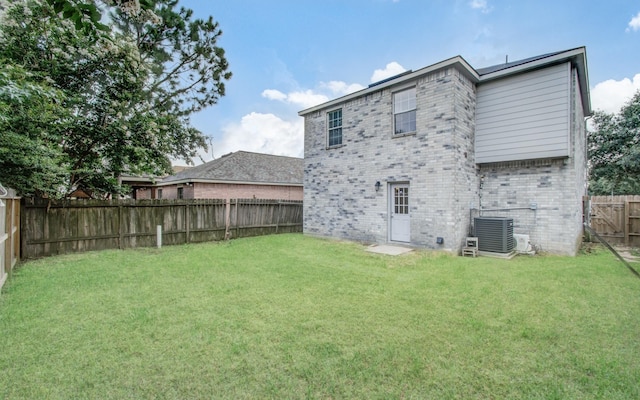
[[244, 167], [180, 168], [146, 180], [576, 56]]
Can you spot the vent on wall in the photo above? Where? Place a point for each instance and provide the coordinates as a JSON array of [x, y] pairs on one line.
[[495, 234]]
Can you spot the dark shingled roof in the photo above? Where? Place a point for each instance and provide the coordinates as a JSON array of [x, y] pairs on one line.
[[244, 166], [499, 67]]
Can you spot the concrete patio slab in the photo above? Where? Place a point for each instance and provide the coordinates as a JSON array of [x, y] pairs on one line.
[[388, 249]]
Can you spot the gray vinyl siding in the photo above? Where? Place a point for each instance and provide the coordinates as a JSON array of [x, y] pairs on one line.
[[524, 117]]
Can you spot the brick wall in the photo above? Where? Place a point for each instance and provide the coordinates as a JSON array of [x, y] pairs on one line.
[[539, 196], [234, 191], [224, 191], [144, 194], [437, 162]]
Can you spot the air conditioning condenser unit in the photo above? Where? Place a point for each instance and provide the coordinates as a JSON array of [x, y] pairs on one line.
[[495, 234]]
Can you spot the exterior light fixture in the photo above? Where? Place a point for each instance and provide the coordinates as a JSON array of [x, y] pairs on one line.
[[377, 186]]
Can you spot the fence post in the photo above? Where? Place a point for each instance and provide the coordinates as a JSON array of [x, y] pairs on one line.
[[227, 218], [4, 211], [9, 236], [159, 236], [186, 222], [278, 215], [237, 224], [120, 226], [627, 222], [17, 232]]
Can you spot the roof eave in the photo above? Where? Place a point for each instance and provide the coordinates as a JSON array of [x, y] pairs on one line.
[[458, 61], [219, 181]]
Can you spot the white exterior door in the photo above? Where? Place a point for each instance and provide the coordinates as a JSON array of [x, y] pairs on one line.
[[400, 224]]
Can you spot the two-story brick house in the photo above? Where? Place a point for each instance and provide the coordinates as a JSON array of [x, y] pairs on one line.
[[412, 159]]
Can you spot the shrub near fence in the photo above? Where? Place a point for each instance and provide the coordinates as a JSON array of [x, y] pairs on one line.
[[50, 228]]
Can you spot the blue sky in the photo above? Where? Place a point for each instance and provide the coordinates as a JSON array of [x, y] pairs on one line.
[[287, 55]]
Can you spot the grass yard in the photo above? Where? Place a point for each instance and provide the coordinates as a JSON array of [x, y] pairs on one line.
[[290, 316]]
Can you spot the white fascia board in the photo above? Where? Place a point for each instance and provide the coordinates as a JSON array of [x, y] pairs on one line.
[[462, 64], [138, 179]]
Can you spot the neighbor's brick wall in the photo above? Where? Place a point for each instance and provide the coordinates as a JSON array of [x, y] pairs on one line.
[[235, 191], [143, 194], [340, 199], [556, 186], [225, 191], [170, 192]]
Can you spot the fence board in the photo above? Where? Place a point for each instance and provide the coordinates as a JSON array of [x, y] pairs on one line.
[[82, 225]]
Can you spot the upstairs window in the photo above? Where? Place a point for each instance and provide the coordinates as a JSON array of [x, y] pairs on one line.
[[404, 111], [335, 127]]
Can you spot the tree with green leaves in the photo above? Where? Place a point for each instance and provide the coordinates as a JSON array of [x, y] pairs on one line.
[[31, 123], [614, 151], [188, 67], [127, 93], [87, 16]]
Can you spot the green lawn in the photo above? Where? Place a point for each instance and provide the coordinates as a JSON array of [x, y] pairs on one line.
[[290, 316]]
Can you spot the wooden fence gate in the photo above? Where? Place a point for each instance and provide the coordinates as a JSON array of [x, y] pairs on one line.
[[616, 218]]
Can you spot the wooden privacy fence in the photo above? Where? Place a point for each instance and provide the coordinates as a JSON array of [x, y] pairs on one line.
[[615, 218], [84, 225], [9, 235]]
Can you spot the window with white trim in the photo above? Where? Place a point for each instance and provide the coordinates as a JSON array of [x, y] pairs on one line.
[[401, 200], [404, 111], [334, 122]]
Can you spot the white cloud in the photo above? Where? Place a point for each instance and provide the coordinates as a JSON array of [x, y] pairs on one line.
[[393, 68], [262, 133], [304, 99], [480, 5], [309, 98], [339, 88], [273, 94], [634, 24], [611, 95]]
